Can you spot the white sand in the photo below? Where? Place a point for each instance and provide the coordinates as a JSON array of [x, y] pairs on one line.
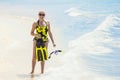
[[16, 47]]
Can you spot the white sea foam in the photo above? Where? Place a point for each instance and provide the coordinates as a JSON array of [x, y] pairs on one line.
[[77, 12], [73, 64]]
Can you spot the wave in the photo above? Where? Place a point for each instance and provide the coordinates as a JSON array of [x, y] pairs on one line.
[[104, 34]]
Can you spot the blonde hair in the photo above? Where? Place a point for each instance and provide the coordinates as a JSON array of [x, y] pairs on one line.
[[41, 12]]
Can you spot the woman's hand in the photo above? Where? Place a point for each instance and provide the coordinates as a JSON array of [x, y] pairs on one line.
[[54, 45], [37, 35]]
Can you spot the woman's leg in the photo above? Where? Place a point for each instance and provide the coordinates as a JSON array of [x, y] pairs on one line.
[[46, 44], [34, 56], [43, 62]]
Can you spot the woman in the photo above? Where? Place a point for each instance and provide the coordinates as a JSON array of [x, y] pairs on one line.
[[44, 28]]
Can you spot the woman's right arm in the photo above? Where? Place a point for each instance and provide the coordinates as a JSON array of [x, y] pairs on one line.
[[33, 29]]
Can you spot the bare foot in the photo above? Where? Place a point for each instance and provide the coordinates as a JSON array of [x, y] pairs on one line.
[[32, 72], [42, 73]]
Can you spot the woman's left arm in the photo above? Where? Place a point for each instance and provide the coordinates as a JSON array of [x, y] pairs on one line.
[[50, 34]]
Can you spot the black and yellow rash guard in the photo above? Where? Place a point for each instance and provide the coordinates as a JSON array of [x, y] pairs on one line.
[[41, 51], [42, 30]]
